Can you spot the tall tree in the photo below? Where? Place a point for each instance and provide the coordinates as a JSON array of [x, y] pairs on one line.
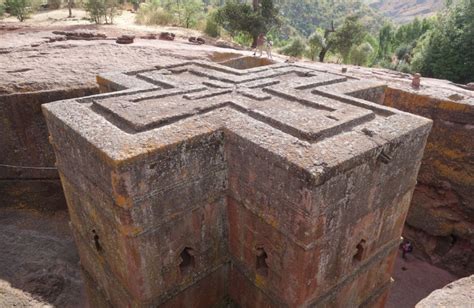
[[319, 40], [241, 17], [449, 52], [386, 34], [21, 9], [350, 33], [70, 4]]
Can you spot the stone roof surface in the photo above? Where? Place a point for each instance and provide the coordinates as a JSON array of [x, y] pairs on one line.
[[303, 115]]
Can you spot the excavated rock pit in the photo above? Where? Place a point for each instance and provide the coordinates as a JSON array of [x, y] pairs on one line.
[[33, 72]]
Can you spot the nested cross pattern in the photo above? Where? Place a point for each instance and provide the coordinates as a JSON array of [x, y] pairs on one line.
[[284, 96]]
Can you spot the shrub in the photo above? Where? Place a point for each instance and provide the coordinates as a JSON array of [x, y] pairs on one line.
[[21, 9], [189, 13], [152, 13], [360, 55], [243, 38], [295, 48], [403, 51], [54, 4], [111, 10], [212, 28], [96, 10], [102, 10], [404, 67]]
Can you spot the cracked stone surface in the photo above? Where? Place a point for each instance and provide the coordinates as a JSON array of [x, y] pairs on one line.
[[278, 185], [459, 293]]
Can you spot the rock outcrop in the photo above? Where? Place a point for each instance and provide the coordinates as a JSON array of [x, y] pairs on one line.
[[456, 294]]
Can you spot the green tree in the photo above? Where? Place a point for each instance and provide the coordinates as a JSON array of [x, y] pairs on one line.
[[449, 49], [361, 54], [316, 43], [212, 28], [2, 10], [386, 38], [102, 10], [152, 13], [21, 9], [295, 48], [321, 41], [190, 11], [350, 33], [238, 17]]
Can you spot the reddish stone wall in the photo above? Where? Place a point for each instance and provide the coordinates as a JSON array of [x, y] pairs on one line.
[[24, 142], [440, 221]]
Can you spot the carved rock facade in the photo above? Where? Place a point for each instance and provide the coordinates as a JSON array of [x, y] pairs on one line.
[[195, 183]]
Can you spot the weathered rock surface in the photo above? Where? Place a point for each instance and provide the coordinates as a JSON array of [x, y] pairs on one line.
[[31, 76], [441, 218], [125, 39], [276, 185], [28, 176], [456, 294]]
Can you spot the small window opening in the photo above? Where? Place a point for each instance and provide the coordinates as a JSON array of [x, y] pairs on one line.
[[261, 265], [98, 247], [454, 239], [360, 251], [187, 261]]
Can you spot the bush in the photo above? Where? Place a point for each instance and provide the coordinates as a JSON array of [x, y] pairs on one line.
[[212, 28], [403, 51], [243, 39], [360, 55], [152, 13], [295, 48], [96, 10], [404, 67], [21, 9], [54, 4], [102, 10], [189, 13], [111, 10], [385, 63]]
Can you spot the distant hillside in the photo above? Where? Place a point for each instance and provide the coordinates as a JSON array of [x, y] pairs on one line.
[[403, 11], [306, 15]]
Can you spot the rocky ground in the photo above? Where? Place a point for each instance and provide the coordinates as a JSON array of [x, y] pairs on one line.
[[30, 62]]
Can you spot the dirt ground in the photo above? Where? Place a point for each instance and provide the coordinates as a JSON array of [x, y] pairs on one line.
[[39, 265], [414, 280]]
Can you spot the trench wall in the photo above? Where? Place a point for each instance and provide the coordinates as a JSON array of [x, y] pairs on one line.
[[440, 221], [28, 177]]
